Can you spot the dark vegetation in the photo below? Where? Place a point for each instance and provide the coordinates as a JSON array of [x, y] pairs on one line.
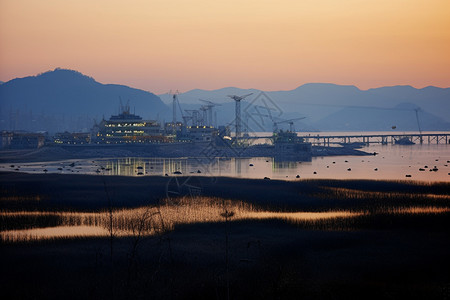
[[384, 253], [86, 192]]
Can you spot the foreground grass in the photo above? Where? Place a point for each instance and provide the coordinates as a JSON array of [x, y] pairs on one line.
[[208, 243]]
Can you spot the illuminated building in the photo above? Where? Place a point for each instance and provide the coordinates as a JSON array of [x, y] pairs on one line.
[[128, 128]]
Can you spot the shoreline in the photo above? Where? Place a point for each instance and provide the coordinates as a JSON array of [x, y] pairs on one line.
[[88, 191], [375, 253], [55, 153]]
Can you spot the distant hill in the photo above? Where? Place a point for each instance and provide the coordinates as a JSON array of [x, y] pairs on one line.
[[63, 99], [402, 116], [331, 107]]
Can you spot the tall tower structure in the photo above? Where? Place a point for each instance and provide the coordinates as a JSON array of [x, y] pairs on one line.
[[238, 125]]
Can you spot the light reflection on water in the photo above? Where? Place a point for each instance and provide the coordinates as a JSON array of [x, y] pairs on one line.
[[57, 232], [394, 162], [147, 221]]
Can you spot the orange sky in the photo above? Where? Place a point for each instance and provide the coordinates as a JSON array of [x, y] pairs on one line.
[[158, 45]]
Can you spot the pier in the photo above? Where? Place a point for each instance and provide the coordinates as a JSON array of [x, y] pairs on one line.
[[384, 139]]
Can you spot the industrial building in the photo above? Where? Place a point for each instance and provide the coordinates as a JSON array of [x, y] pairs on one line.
[[22, 140], [127, 127]]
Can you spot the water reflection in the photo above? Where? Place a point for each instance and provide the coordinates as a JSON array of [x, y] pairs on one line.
[[416, 162], [153, 220], [58, 232]]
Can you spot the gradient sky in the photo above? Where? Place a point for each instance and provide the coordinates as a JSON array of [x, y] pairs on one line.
[[158, 45]]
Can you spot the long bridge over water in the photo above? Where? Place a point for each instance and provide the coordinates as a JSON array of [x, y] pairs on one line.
[[417, 138]]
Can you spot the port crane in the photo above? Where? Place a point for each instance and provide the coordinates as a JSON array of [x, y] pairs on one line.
[[194, 116], [175, 104], [290, 122], [238, 99], [204, 110], [209, 107]]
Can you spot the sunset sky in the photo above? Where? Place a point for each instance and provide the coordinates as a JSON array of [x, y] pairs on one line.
[[158, 45]]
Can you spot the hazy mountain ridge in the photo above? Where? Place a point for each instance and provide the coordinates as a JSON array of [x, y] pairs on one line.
[[329, 106], [402, 117], [68, 100], [63, 99]]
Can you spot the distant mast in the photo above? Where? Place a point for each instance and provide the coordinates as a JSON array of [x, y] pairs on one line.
[[174, 112]]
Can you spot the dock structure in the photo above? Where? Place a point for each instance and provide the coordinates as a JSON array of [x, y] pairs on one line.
[[384, 139]]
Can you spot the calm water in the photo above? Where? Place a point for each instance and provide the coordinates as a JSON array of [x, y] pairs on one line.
[[394, 162]]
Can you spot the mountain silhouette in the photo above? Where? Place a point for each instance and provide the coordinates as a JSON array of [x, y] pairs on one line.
[[331, 106], [64, 99], [402, 117]]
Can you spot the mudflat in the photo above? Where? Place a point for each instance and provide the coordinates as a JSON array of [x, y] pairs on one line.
[[397, 248]]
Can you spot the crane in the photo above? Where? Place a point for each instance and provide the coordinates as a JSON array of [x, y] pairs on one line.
[[204, 109], [290, 122], [175, 103], [209, 106], [194, 116], [238, 99], [268, 109]]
